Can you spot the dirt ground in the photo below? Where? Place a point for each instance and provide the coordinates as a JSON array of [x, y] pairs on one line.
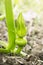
[[33, 49]]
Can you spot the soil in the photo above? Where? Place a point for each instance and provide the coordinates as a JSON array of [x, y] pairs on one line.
[[33, 49]]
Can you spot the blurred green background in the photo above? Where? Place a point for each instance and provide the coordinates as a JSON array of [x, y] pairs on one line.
[[31, 7]]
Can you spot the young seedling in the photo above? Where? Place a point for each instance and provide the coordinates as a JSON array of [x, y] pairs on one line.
[[21, 32], [16, 32], [10, 26]]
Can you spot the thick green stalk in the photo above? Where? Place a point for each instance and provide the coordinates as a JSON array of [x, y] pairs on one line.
[[10, 25]]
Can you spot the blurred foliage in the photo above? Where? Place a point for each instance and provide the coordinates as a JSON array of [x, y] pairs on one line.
[[24, 5], [2, 7], [35, 5]]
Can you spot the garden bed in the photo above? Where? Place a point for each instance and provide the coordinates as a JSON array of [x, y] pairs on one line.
[[33, 49]]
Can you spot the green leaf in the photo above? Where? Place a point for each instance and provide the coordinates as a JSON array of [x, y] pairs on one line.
[[20, 26]]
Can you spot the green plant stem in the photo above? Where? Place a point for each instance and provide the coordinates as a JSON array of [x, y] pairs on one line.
[[3, 44], [10, 25], [18, 50], [4, 50]]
